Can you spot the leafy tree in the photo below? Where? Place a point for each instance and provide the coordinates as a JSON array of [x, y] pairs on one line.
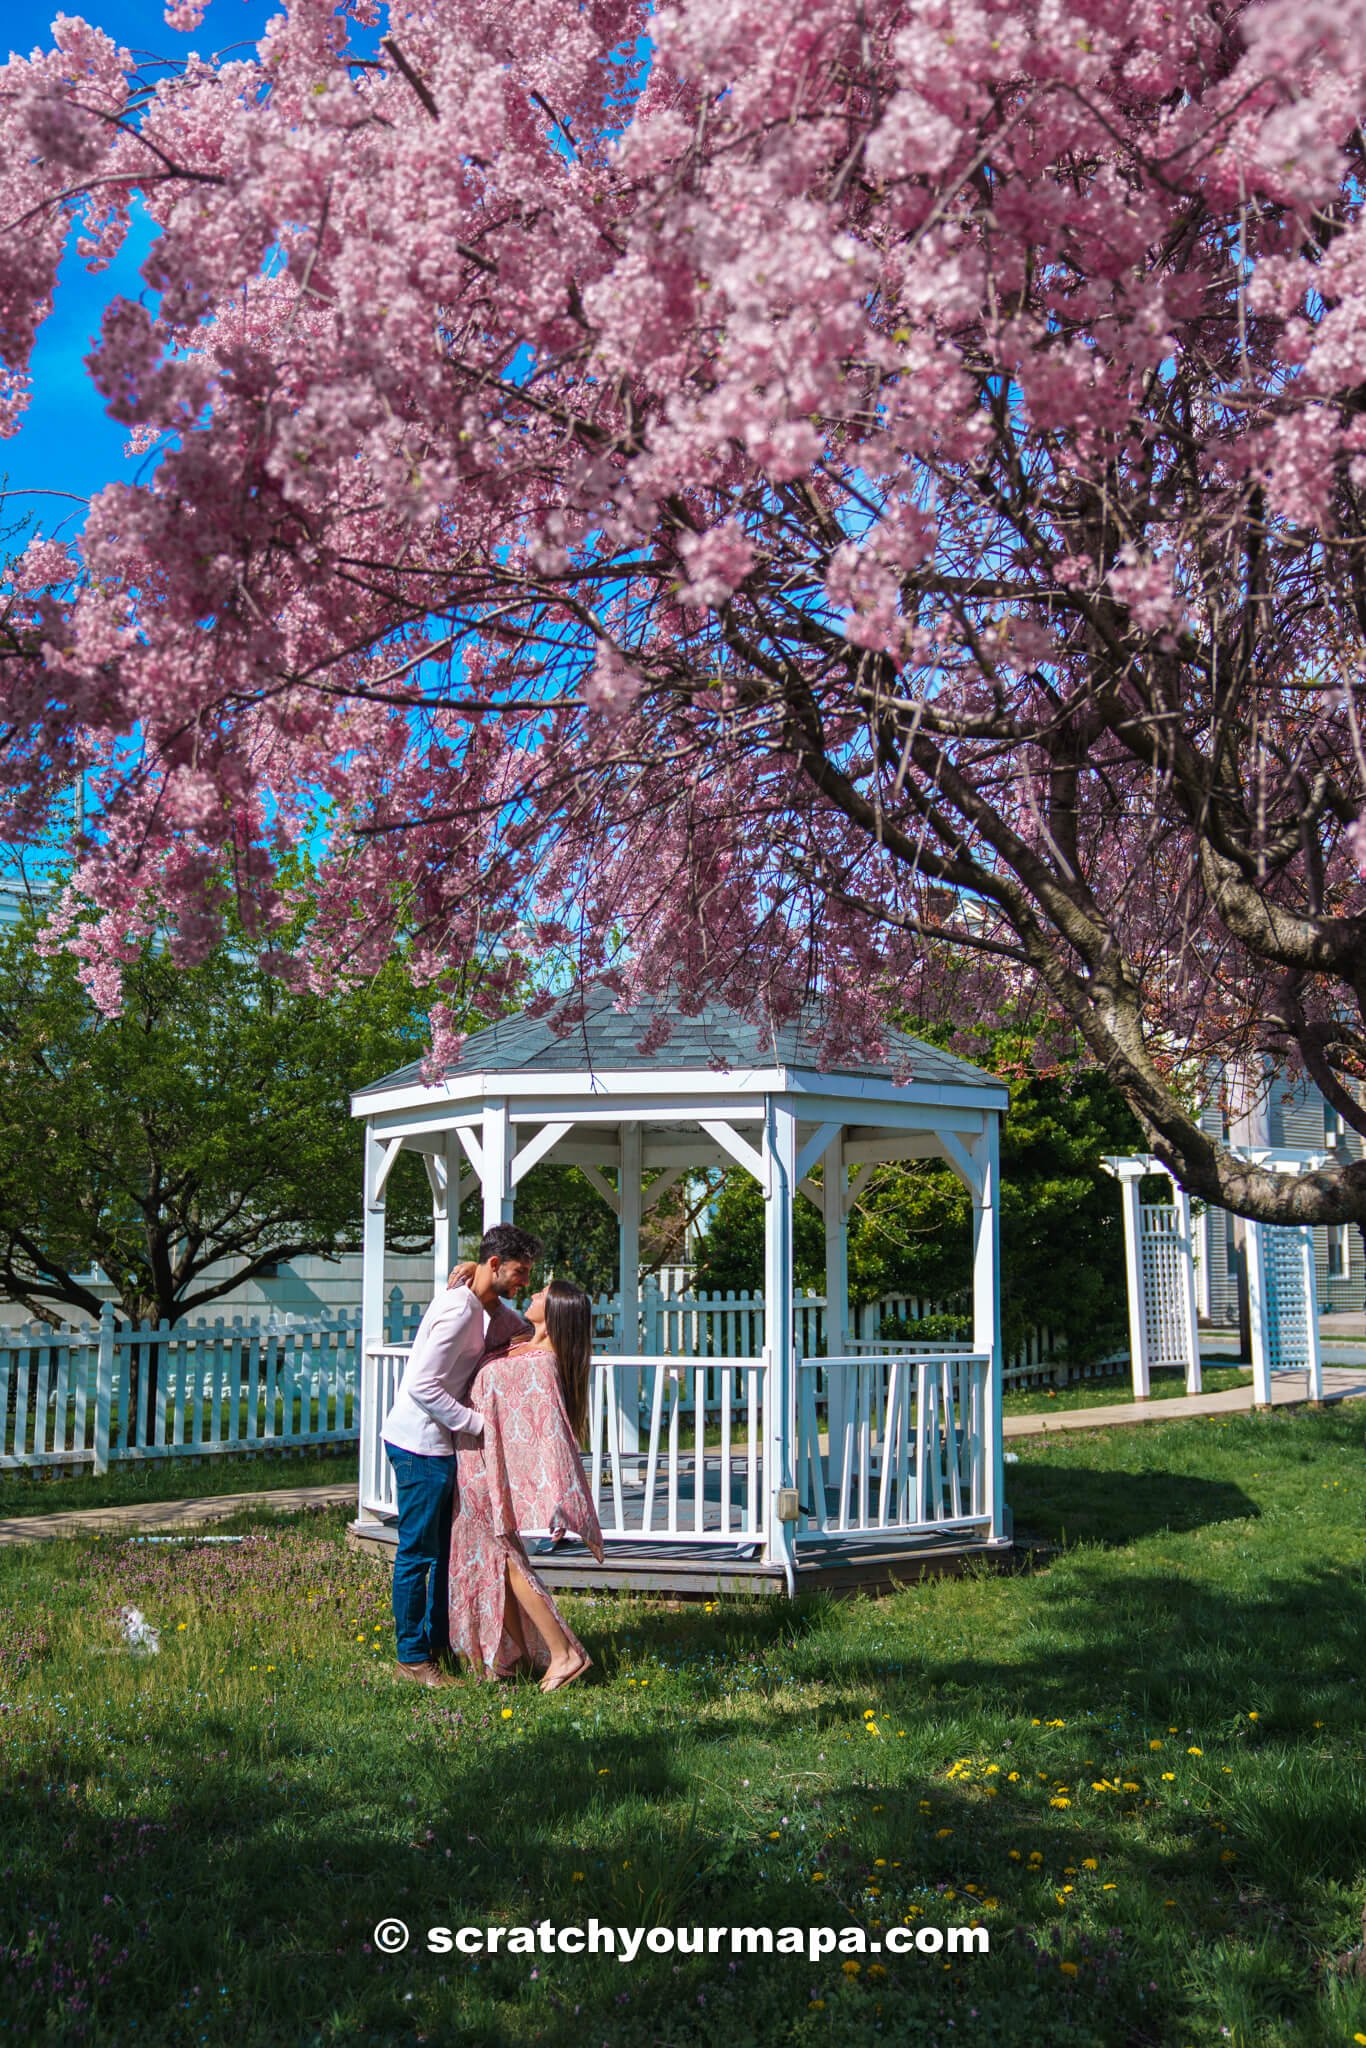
[[207, 1121]]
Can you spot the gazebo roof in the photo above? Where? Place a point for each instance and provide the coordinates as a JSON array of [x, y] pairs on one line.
[[607, 1040]]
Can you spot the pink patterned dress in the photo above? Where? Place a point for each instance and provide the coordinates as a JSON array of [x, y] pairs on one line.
[[525, 1473]]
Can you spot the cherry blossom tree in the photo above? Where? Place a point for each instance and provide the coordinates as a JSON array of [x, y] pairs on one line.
[[864, 499]]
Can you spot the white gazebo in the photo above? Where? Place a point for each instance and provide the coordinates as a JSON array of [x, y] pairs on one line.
[[714, 1471]]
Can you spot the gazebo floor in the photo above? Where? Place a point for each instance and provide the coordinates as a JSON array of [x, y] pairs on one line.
[[699, 1571]]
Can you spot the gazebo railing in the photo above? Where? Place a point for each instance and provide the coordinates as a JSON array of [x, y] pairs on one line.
[[675, 1447], [896, 1443], [695, 1473]]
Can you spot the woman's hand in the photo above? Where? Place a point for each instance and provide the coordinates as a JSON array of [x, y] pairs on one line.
[[461, 1275]]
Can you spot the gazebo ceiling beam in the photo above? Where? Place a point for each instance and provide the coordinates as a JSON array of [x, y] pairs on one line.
[[387, 1163], [741, 1151], [535, 1149], [657, 1189], [961, 1160], [597, 1179], [816, 1146]]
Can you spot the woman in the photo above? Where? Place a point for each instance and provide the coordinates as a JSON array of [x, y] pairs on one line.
[[524, 1473]]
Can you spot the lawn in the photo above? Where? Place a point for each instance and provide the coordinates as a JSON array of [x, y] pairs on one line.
[[1140, 1767]]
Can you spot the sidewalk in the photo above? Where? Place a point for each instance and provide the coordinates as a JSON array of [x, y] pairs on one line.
[[1339, 1384], [1288, 1389], [170, 1515]]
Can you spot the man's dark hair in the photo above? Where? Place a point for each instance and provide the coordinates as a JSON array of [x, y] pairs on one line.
[[506, 1241]]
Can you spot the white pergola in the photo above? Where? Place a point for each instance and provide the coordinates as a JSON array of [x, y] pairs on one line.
[[868, 1443], [1159, 1255]]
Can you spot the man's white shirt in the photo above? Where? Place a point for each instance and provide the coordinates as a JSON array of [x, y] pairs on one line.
[[429, 1407]]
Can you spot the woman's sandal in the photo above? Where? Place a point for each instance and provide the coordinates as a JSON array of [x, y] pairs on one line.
[[569, 1678]]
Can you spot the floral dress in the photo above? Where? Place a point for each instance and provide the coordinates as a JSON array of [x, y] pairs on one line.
[[524, 1473]]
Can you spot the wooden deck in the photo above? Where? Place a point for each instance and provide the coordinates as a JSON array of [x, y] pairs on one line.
[[700, 1571]]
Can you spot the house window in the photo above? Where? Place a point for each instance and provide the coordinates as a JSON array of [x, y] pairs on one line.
[[1339, 1254], [1334, 1129]]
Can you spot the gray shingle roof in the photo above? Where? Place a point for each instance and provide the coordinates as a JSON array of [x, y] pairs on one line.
[[607, 1040]]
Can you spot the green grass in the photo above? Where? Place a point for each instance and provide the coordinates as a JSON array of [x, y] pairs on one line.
[[1140, 1767], [1165, 1385], [54, 1492]]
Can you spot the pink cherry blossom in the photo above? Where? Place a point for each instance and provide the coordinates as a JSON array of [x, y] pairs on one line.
[[732, 501]]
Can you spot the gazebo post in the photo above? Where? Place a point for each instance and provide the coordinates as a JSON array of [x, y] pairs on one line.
[[371, 1318], [836, 1201], [495, 1169], [629, 1178], [780, 1377], [986, 1309], [444, 1190], [1133, 1267]]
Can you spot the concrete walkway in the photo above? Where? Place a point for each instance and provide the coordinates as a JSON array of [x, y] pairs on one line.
[[171, 1516], [1288, 1389]]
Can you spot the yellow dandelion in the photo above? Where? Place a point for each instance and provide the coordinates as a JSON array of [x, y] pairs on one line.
[[1169, 1777], [1157, 1743], [1193, 1751], [576, 1877], [1068, 1969], [818, 1877], [1254, 1716], [507, 1713], [1089, 1863], [1014, 1855]]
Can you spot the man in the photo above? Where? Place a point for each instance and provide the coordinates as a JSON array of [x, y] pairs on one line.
[[429, 1411]]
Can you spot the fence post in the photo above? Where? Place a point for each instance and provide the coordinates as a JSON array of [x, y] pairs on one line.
[[104, 1386], [393, 1330]]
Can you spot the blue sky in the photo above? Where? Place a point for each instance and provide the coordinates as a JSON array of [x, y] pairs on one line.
[[67, 444]]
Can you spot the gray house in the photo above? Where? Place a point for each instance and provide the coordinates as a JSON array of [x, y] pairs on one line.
[[1291, 1113]]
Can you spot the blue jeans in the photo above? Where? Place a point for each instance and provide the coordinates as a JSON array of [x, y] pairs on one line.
[[426, 1493]]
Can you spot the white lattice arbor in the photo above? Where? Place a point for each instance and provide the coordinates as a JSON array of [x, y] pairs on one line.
[[1159, 1257], [1159, 1252], [878, 1444]]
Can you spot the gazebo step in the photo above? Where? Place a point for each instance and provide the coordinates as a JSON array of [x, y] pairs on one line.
[[702, 1571]]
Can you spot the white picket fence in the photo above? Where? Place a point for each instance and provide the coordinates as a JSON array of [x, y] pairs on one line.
[[71, 1396], [90, 1397]]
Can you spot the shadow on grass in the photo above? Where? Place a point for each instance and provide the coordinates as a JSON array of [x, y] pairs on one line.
[[1071, 1504]]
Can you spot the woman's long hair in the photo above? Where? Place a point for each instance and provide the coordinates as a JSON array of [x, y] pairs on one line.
[[569, 1326]]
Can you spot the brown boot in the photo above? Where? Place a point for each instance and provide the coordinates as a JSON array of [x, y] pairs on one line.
[[425, 1673]]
